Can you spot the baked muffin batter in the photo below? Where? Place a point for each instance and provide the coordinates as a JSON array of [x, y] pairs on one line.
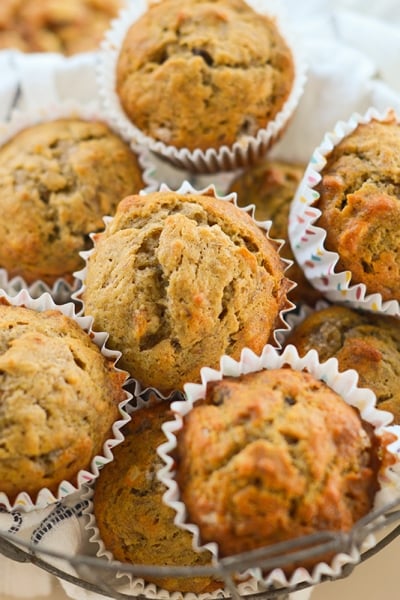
[[57, 181], [135, 524], [177, 280], [273, 455], [200, 73], [59, 399], [359, 200]]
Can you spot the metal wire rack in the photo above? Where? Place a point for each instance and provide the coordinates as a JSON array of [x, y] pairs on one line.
[[98, 575]]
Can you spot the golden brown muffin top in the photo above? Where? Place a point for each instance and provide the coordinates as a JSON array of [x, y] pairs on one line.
[[177, 280], [57, 181], [359, 200], [59, 399], [273, 455], [134, 522], [201, 73], [271, 186], [364, 341], [65, 26]]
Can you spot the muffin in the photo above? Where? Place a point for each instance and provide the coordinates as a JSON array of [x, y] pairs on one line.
[[272, 455], [270, 186], [233, 73], [360, 211], [64, 26], [345, 216], [360, 340], [57, 181], [60, 398], [177, 279], [133, 522]]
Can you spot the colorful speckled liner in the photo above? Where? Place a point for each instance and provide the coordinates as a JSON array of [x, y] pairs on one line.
[[246, 151], [307, 238], [62, 290], [46, 497], [345, 384]]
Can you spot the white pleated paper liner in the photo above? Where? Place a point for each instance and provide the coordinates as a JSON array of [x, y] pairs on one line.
[[125, 582], [345, 384], [85, 476], [61, 290], [307, 238], [247, 150], [187, 188]]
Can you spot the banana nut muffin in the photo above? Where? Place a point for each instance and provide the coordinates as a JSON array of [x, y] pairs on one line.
[[359, 200], [134, 523], [57, 181], [177, 280], [65, 26], [203, 74], [270, 186], [364, 341], [273, 455], [59, 400]]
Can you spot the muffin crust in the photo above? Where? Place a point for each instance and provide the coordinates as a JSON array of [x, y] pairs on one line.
[[60, 397], [200, 73], [180, 279], [359, 200], [270, 456], [57, 181]]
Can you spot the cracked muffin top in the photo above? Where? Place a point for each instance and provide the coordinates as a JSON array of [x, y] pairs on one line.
[[134, 522], [364, 341], [203, 74], [65, 26], [360, 204], [59, 400], [177, 280], [273, 455], [57, 181]]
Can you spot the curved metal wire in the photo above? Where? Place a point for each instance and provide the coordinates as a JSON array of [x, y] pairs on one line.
[[94, 573]]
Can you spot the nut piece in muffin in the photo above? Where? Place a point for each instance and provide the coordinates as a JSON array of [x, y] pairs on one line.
[[359, 201], [57, 181], [273, 455], [59, 400], [134, 523], [270, 186], [178, 280], [64, 26], [203, 74], [360, 340]]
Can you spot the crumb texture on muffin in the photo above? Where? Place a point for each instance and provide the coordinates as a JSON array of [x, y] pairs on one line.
[[270, 456], [364, 341], [59, 399], [135, 524], [177, 280], [64, 26], [200, 74], [57, 181], [359, 200]]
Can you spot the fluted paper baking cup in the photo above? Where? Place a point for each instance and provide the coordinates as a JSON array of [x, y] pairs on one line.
[[23, 501], [244, 152], [62, 289], [307, 238], [344, 384], [185, 189]]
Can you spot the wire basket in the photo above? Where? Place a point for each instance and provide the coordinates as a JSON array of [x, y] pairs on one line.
[[99, 576]]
